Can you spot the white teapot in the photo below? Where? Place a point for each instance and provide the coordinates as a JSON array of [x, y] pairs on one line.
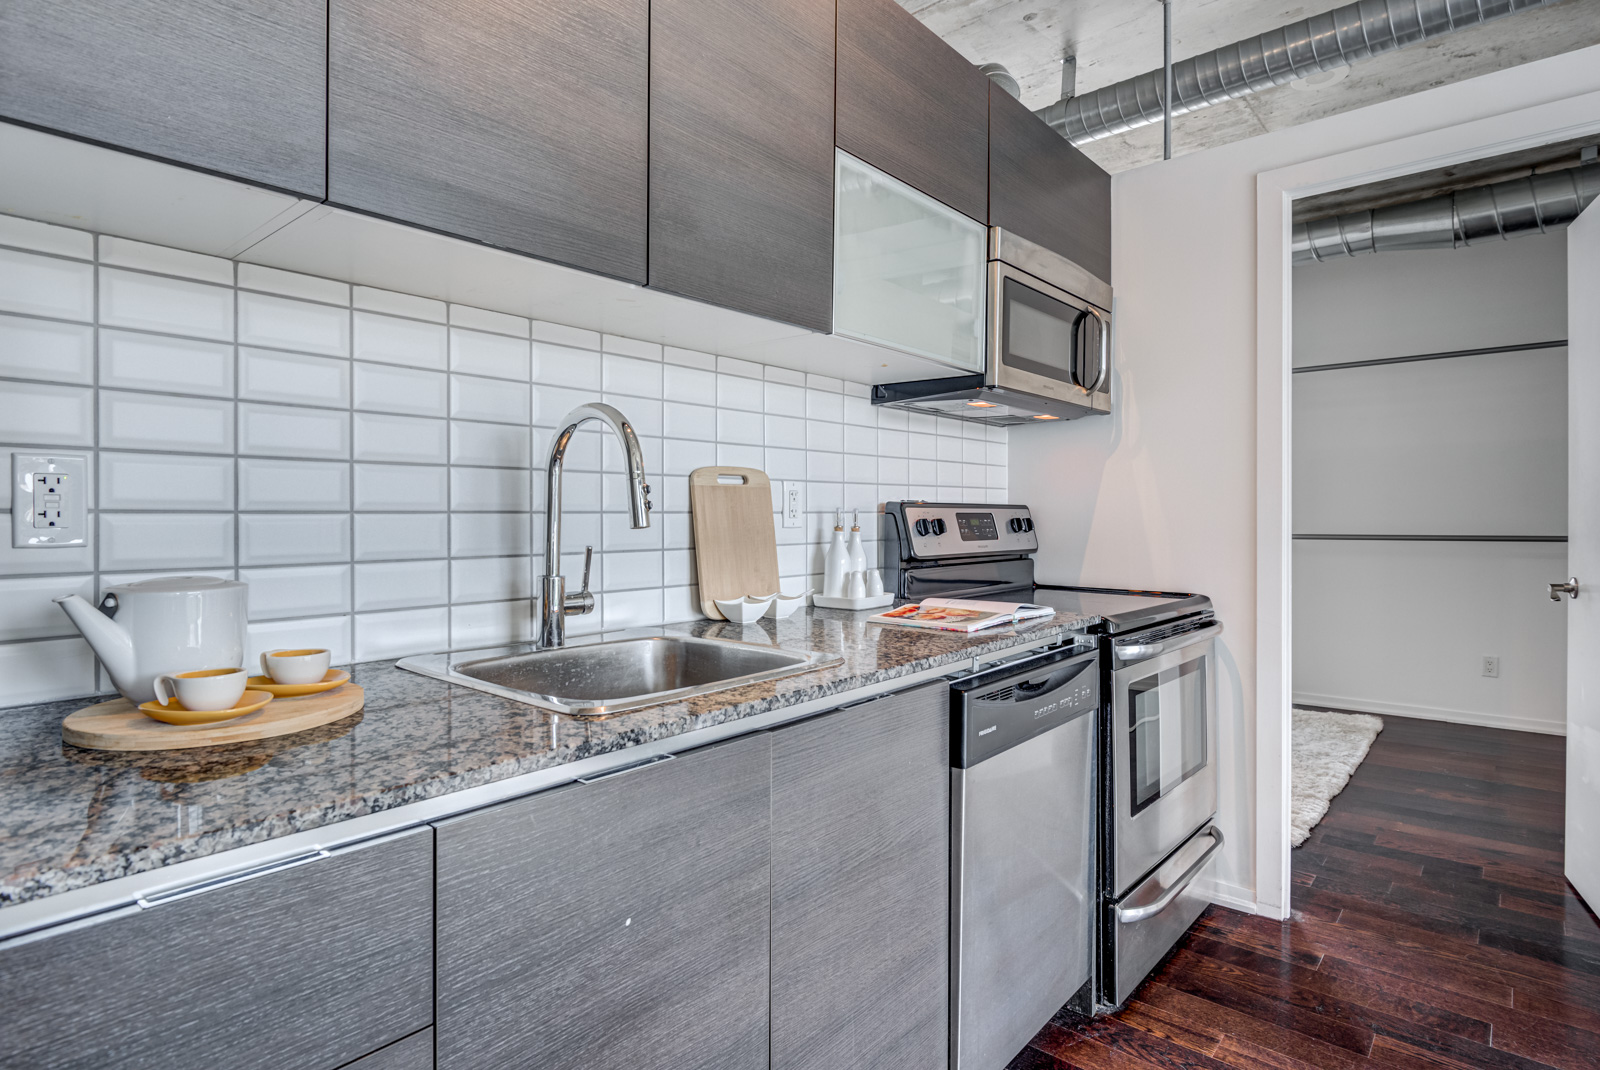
[[168, 625]]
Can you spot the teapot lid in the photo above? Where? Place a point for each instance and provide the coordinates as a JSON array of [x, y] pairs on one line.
[[169, 584]]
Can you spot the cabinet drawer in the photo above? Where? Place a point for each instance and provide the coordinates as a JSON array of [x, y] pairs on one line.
[[307, 967]]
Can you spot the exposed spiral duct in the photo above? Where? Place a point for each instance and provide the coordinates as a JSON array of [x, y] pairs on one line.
[[1323, 42], [1533, 204]]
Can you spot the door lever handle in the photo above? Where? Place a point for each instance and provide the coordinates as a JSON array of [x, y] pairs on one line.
[[1569, 588]]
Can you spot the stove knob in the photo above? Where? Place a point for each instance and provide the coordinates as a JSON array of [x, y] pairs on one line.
[[922, 527], [938, 526], [1027, 524], [1016, 524]]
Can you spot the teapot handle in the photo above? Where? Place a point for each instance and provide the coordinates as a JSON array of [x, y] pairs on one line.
[[109, 606]]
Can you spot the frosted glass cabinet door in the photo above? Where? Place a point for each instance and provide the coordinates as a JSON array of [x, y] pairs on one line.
[[908, 272]]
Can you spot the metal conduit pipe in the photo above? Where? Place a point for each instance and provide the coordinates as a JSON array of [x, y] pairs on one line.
[[1335, 38], [1500, 210]]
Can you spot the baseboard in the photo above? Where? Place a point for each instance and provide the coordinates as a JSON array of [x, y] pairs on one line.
[[1430, 713], [1231, 896]]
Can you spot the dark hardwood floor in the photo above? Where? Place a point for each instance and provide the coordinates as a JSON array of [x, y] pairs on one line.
[[1432, 930]]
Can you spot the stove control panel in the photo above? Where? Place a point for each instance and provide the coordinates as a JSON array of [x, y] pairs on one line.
[[929, 531]]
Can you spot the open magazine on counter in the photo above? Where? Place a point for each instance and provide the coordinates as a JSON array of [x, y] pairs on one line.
[[961, 614]]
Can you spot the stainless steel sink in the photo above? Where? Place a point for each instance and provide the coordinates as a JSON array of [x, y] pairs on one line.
[[599, 680]]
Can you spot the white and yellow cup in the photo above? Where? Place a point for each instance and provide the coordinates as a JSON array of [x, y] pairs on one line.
[[202, 689], [304, 666]]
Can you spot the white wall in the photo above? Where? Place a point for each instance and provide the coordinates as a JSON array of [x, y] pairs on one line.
[[371, 463], [1165, 492], [1464, 446]]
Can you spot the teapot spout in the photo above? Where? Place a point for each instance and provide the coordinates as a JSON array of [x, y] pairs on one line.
[[110, 641]]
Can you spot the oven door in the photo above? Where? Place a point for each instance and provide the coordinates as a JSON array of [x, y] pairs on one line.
[[1045, 341], [1164, 744]]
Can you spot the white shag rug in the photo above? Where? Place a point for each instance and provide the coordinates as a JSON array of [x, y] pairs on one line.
[[1327, 749]]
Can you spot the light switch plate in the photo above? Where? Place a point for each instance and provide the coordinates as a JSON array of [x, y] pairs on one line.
[[49, 500]]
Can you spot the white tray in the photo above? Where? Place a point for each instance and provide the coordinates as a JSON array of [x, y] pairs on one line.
[[871, 601]]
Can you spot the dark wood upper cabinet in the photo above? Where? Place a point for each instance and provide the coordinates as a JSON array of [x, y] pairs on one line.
[[232, 86], [1043, 189], [518, 124], [741, 155], [308, 967], [911, 105]]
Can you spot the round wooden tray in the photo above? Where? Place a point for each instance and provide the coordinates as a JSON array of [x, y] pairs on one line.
[[118, 724]]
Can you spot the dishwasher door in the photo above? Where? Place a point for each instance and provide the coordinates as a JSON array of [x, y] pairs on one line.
[[1022, 824]]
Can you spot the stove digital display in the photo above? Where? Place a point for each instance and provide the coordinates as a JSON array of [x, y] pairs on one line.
[[976, 527]]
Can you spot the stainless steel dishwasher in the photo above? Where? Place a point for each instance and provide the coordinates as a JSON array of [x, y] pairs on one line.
[[1022, 841]]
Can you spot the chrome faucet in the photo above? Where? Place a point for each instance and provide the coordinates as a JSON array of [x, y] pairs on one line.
[[555, 604]]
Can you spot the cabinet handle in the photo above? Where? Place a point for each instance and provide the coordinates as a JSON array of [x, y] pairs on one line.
[[609, 773], [183, 891]]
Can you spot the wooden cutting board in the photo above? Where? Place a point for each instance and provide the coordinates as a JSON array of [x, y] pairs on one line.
[[735, 546], [118, 724]]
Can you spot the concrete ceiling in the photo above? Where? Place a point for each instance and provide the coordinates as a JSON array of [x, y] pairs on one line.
[[1117, 39]]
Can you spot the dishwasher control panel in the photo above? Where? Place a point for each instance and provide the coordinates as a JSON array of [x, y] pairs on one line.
[[998, 709]]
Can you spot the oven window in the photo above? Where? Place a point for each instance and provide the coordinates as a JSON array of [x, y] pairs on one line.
[[1166, 730], [1041, 333]]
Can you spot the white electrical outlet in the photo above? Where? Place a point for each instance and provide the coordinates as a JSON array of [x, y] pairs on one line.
[[1491, 666], [49, 500], [793, 507]]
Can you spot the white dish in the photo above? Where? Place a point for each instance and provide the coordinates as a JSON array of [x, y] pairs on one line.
[[871, 601], [785, 605], [744, 610]]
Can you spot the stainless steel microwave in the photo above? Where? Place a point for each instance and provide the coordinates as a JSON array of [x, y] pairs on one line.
[[1048, 348]]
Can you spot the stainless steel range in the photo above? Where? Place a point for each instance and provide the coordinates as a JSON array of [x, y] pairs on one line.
[[1156, 749]]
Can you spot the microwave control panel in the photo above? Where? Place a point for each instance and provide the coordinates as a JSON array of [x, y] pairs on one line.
[[934, 530]]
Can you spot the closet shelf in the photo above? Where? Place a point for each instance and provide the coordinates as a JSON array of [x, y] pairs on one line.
[[1557, 343], [1435, 538]]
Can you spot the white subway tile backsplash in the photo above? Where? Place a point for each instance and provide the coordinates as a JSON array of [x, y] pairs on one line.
[[408, 391], [46, 286], [860, 412], [45, 237], [974, 452], [495, 445], [172, 482], [618, 533], [676, 531], [323, 633], [737, 392], [133, 541], [696, 386], [689, 358], [679, 420], [680, 457], [27, 609], [821, 435], [46, 414], [785, 399], [643, 413], [274, 485], [401, 584], [401, 487], [486, 624], [397, 304], [563, 366], [134, 361], [947, 448], [739, 456], [304, 591], [45, 671], [285, 323], [860, 468], [172, 306], [630, 347], [287, 431], [785, 463], [46, 349], [893, 443], [293, 539], [492, 534], [562, 335], [401, 536], [633, 570], [402, 439], [632, 609], [680, 604], [479, 353], [157, 422], [631, 376], [491, 579], [394, 635], [483, 319], [825, 466], [293, 284], [141, 256], [894, 470], [747, 368], [57, 560], [401, 341], [472, 398], [293, 378], [551, 404], [496, 490], [823, 404], [996, 453]]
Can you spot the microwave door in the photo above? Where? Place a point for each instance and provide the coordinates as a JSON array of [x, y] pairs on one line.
[[1045, 342]]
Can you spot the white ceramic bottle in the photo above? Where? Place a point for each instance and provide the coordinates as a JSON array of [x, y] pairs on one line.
[[858, 553], [836, 562]]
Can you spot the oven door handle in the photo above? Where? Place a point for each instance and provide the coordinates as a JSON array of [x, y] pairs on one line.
[[1140, 651], [1129, 915]]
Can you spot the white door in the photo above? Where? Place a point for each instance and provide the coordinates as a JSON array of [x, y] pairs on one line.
[[1583, 555]]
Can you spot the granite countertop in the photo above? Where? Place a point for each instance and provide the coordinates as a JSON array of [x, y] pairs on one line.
[[76, 817]]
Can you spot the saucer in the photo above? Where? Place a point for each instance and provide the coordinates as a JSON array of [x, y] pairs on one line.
[[333, 679], [249, 702]]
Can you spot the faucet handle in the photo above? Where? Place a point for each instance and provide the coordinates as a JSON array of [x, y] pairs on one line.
[[588, 559], [583, 602]]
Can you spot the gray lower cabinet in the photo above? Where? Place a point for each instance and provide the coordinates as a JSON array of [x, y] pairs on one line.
[[233, 86], [741, 155], [619, 923], [520, 125], [308, 967], [1044, 189], [861, 886], [409, 1053]]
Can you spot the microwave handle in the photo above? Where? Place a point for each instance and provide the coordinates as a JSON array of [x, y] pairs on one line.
[[1105, 354]]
